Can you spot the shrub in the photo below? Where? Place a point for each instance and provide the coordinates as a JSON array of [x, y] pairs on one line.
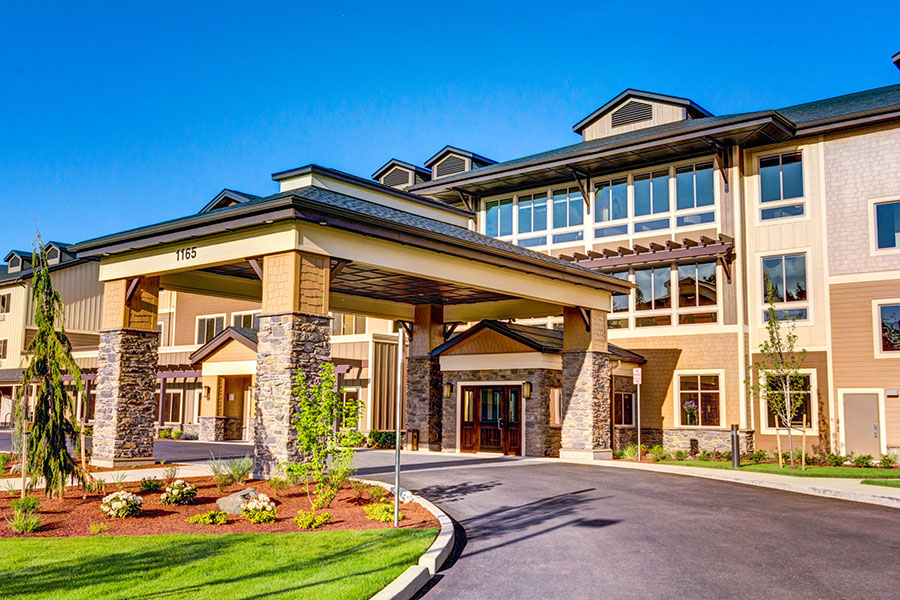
[[381, 512], [4, 460], [121, 505], [834, 460], [28, 505], [863, 461], [98, 527], [353, 439], [798, 456], [359, 488], [726, 455], [170, 473], [630, 451], [757, 457], [680, 455], [239, 469], [618, 454], [213, 517], [23, 522], [180, 492], [657, 453], [164, 434], [382, 439], [888, 461], [176, 434], [219, 471], [706, 455], [189, 436], [151, 484], [376, 493], [119, 479], [259, 509], [310, 520], [279, 482]]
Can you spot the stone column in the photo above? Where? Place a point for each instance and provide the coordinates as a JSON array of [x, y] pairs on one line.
[[294, 335], [424, 400], [586, 404], [125, 413]]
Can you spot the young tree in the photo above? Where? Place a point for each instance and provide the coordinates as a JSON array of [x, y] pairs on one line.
[[51, 357], [779, 369], [325, 461]]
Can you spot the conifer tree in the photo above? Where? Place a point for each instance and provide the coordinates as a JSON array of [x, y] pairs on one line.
[[50, 358]]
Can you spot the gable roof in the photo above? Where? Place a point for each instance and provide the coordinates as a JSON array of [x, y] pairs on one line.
[[21, 253], [242, 335], [226, 195], [694, 109], [454, 150], [399, 163], [540, 339]]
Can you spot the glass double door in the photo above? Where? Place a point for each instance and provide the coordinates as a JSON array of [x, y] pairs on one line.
[[491, 419]]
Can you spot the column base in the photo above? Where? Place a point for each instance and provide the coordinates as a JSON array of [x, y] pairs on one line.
[[429, 447], [585, 454], [112, 463]]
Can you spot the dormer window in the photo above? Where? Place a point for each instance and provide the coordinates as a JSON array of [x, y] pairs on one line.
[[53, 255], [396, 177], [450, 166], [451, 161], [400, 175], [14, 265]]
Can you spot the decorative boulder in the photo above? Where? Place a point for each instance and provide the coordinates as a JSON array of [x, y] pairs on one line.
[[231, 504]]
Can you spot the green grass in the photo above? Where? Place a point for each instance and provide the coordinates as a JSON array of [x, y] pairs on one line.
[[884, 482], [811, 471], [327, 564]]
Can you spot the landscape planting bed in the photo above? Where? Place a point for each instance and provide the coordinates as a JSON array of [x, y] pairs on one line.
[[73, 516]]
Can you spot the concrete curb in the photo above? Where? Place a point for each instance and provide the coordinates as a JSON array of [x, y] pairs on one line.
[[415, 577]]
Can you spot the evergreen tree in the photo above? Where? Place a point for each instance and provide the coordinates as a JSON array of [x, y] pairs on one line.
[[51, 357]]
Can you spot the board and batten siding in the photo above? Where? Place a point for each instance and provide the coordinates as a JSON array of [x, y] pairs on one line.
[[12, 325], [82, 294], [661, 113], [384, 386]]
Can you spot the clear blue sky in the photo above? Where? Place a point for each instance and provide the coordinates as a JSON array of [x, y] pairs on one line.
[[120, 115]]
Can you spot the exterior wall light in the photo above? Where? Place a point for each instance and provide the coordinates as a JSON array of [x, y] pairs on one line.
[[526, 390], [448, 389]]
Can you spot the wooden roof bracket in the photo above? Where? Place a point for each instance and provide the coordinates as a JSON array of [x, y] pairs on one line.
[[257, 268], [586, 317], [726, 260], [337, 268], [449, 328], [407, 327], [132, 288], [721, 158], [582, 180], [468, 200]]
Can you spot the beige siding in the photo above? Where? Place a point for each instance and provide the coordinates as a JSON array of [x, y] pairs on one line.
[[12, 326], [853, 338], [190, 306], [384, 386], [662, 113], [81, 293], [232, 351]]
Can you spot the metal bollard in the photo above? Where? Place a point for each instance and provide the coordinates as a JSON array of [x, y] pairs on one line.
[[735, 448]]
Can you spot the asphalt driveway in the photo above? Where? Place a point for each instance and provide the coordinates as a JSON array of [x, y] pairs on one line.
[[532, 529]]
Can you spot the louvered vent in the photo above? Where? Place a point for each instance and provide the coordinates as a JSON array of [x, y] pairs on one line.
[[52, 254], [396, 177], [633, 112], [15, 264], [449, 166]]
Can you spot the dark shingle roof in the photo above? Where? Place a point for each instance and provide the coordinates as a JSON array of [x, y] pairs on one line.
[[841, 106]]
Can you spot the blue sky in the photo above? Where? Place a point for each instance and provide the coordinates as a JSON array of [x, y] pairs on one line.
[[120, 115]]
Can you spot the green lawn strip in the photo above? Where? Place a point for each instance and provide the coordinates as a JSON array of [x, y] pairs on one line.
[[811, 471], [885, 482], [327, 564]]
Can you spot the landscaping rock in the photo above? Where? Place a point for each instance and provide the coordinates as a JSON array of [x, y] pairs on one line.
[[231, 504]]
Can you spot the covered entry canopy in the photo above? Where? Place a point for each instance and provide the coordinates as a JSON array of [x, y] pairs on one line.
[[388, 251]]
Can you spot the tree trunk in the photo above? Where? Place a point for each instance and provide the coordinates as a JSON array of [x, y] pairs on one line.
[[790, 422], [24, 455], [803, 447], [778, 441]]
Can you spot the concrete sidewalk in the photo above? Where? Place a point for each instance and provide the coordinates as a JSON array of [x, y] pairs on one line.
[[185, 470], [829, 487]]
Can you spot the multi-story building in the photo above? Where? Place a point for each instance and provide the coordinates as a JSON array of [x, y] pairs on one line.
[[698, 211]]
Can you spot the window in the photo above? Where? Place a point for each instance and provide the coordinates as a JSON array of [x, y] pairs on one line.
[[623, 408], [247, 320], [800, 391], [651, 193], [619, 304], [4, 346], [209, 327], [88, 403], [781, 180], [161, 330], [887, 227], [699, 400], [888, 330], [786, 275], [653, 291], [696, 289], [347, 324], [532, 213], [568, 208], [694, 186], [611, 199], [5, 300], [555, 407], [498, 218], [172, 406]]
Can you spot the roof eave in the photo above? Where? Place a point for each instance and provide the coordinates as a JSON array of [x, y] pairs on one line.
[[580, 126]]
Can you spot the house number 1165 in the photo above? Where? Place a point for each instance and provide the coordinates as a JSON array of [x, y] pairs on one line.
[[186, 253]]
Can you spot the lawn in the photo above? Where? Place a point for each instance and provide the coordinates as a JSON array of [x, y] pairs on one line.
[[328, 564], [811, 471], [884, 482]]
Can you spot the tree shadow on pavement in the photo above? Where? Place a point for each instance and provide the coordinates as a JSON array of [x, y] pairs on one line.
[[455, 492]]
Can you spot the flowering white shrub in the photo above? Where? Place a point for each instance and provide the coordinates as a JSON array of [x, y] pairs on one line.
[[121, 504], [259, 509], [180, 492]]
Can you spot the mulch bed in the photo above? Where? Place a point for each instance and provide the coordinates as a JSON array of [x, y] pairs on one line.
[[73, 516], [7, 472]]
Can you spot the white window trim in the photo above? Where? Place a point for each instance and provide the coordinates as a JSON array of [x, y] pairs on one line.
[[180, 393], [804, 199], [213, 316], [555, 397], [633, 410], [242, 313], [8, 303], [5, 343], [882, 434], [763, 306], [876, 328], [813, 401], [677, 397], [874, 250], [461, 384]]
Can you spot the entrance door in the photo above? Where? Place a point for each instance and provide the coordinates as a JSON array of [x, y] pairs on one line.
[[861, 431], [491, 419]]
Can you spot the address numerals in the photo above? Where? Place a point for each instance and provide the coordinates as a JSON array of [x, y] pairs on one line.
[[186, 253]]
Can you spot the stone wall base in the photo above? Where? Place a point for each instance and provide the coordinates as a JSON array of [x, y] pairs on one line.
[[570, 454], [212, 429], [424, 402], [690, 439]]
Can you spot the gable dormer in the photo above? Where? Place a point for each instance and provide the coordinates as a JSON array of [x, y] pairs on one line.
[[57, 252], [451, 160], [18, 260], [227, 198], [400, 175], [634, 109]]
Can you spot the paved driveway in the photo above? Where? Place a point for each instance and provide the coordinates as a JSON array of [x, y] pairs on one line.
[[173, 451], [543, 530]]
